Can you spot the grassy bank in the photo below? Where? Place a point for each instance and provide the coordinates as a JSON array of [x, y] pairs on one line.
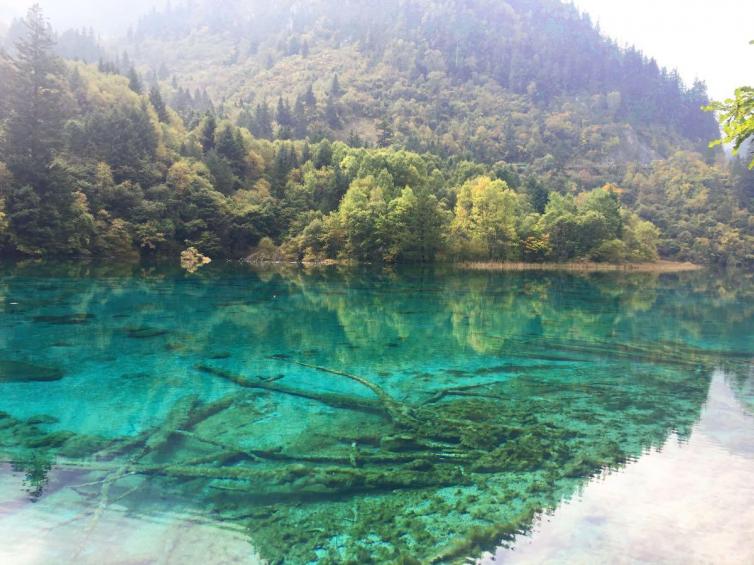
[[655, 267], [580, 266]]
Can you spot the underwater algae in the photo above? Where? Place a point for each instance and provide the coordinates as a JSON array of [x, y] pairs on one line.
[[325, 448], [469, 472]]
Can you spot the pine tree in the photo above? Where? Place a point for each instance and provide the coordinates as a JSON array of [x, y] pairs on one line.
[[384, 133], [538, 195], [134, 81], [306, 153], [284, 118], [246, 119], [223, 178], [40, 207], [283, 114], [281, 168], [332, 116], [301, 122], [341, 187], [77, 86], [207, 133], [36, 123], [155, 97], [6, 77], [354, 140], [207, 104], [262, 125], [230, 147], [310, 99], [323, 154], [335, 89], [182, 101]]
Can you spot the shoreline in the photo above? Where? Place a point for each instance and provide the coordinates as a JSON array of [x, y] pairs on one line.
[[573, 266], [586, 266]]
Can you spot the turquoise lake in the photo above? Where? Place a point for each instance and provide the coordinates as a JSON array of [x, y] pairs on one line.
[[334, 415]]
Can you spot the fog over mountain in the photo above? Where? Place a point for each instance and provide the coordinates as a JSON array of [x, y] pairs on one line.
[[109, 17], [624, 21]]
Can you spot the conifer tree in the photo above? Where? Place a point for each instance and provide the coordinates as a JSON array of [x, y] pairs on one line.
[[332, 116], [207, 134], [35, 127], [284, 118], [384, 133], [230, 147], [335, 89], [39, 204], [354, 140], [134, 81], [281, 168], [300, 119], [310, 99], [263, 121], [155, 97]]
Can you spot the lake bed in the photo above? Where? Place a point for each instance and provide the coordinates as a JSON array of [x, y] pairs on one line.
[[356, 415]]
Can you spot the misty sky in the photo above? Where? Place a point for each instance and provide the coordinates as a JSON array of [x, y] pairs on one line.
[[672, 32], [669, 30], [109, 16]]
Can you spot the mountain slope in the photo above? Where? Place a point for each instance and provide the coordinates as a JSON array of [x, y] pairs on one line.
[[473, 131], [529, 81]]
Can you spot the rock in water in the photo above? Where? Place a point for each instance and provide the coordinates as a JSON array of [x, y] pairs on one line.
[[192, 259], [20, 372]]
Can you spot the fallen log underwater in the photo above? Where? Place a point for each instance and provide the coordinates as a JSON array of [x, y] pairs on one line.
[[398, 412], [450, 438], [412, 447], [330, 399]]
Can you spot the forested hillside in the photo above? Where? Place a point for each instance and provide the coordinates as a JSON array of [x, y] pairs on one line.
[[400, 131]]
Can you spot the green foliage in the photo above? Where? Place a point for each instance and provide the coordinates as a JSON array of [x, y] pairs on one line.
[[37, 97], [697, 209], [362, 214], [641, 238], [490, 81], [610, 251], [134, 81], [132, 153], [449, 158], [155, 98], [605, 203], [484, 226], [737, 118]]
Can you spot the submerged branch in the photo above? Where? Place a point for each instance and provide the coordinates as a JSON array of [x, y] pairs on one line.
[[398, 412], [464, 391], [312, 479], [331, 399]]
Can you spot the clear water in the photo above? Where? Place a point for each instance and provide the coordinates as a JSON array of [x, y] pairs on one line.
[[357, 416]]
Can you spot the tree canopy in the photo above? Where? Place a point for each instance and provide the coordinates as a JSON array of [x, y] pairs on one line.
[[737, 118], [108, 160]]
